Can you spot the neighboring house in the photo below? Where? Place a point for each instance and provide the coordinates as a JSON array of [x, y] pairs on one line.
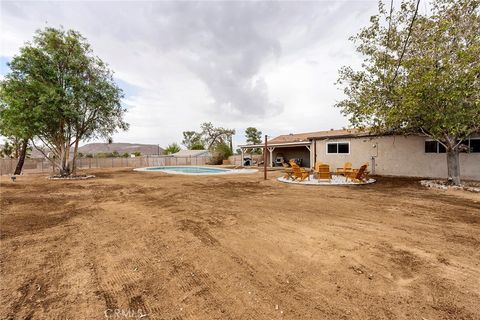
[[191, 153], [415, 156]]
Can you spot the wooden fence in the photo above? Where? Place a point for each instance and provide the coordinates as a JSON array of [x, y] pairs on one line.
[[37, 165]]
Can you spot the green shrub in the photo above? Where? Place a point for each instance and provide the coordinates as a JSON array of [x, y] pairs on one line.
[[221, 152], [172, 148]]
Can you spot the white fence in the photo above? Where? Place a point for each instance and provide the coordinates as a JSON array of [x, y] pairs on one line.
[[35, 165]]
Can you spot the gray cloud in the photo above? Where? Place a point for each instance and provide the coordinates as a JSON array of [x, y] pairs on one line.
[[236, 63], [228, 42]]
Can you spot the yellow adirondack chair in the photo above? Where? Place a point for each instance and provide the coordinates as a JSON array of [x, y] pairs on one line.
[[288, 171], [317, 165], [358, 175], [323, 172], [299, 173], [347, 168]]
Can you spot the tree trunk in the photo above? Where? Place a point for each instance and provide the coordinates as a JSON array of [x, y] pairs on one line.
[[64, 158], [453, 164], [22, 156], [74, 161]]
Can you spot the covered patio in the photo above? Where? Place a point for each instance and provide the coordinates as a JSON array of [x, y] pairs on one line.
[[277, 153]]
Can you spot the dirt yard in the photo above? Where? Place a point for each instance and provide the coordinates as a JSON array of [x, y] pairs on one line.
[[155, 246]]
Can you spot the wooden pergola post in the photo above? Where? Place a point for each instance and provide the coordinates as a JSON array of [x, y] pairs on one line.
[[265, 159]]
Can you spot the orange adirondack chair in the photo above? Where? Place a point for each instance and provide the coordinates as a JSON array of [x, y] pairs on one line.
[[317, 164], [323, 172], [347, 167], [360, 175], [299, 173], [288, 171]]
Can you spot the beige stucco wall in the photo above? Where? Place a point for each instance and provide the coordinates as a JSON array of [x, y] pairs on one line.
[[398, 156]]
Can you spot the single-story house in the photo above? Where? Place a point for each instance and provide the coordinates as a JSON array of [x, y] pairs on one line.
[[386, 154]]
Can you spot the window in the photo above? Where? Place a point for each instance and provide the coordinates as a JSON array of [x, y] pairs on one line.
[[475, 145], [338, 148], [431, 146], [434, 147], [441, 148], [343, 148], [332, 148]]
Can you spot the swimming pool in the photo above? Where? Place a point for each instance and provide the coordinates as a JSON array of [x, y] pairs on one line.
[[195, 170]]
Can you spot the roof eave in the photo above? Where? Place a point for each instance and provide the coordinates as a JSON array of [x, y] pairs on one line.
[[276, 144], [355, 135]]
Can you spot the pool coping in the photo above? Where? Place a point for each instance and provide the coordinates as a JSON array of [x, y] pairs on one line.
[[227, 171]]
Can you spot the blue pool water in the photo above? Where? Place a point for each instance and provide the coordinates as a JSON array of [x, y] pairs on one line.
[[188, 170]]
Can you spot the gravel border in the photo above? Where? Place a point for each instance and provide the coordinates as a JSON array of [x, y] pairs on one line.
[[85, 177], [335, 181], [440, 184]]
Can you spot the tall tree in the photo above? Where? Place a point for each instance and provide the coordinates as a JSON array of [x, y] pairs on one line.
[[13, 148], [254, 136], [215, 135], [7, 150], [420, 75], [193, 140], [16, 125], [63, 94], [208, 137]]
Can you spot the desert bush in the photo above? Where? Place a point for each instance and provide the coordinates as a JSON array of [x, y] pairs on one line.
[[221, 152]]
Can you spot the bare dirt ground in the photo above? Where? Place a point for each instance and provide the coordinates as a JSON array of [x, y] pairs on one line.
[[155, 246]]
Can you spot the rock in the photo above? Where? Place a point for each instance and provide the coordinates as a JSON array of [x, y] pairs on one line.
[[440, 184]]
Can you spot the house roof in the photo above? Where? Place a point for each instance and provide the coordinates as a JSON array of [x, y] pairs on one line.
[[302, 139], [306, 136], [191, 153]]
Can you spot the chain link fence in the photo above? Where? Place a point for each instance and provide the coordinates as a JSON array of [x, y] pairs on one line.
[[38, 165]]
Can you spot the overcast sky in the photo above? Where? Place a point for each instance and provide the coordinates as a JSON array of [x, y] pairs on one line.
[[271, 65]]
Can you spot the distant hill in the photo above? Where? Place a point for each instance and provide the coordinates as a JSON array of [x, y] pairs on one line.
[[94, 148], [144, 149]]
